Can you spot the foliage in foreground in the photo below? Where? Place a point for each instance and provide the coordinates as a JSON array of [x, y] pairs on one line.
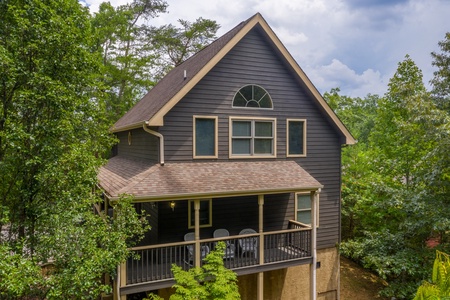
[[211, 281], [52, 137], [439, 287]]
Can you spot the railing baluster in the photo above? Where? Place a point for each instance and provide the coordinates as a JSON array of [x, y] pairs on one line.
[[155, 262], [152, 257]]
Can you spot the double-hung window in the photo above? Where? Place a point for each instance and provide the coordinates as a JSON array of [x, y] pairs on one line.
[[205, 137], [296, 137], [252, 137], [303, 212]]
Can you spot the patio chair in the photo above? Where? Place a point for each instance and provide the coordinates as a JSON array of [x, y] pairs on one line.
[[249, 244], [190, 236], [229, 250]]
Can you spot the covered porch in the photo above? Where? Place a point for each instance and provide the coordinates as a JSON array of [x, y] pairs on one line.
[[242, 195], [273, 250]]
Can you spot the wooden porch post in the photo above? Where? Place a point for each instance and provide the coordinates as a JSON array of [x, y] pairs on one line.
[[260, 283], [121, 276], [313, 246], [120, 282], [197, 232]]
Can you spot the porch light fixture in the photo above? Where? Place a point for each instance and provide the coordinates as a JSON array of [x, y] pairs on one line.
[[172, 205]]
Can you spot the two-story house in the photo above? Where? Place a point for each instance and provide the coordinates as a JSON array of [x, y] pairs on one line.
[[235, 144]]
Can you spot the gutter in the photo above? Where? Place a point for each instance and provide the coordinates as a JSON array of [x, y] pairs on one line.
[[224, 194], [161, 142]]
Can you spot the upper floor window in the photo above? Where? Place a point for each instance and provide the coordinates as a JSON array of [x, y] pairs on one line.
[[205, 137], [252, 96], [252, 137], [296, 137]]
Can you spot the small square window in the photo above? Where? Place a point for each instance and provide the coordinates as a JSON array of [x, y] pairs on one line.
[[205, 137], [205, 213], [296, 138]]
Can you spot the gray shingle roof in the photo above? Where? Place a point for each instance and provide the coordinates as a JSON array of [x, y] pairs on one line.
[[148, 180]]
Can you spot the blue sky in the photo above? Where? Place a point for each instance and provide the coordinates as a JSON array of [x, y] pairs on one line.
[[351, 44]]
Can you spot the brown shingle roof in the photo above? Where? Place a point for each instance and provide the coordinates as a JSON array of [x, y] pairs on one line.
[[173, 82], [147, 180]]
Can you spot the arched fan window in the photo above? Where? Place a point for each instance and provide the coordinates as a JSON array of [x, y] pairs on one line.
[[252, 96]]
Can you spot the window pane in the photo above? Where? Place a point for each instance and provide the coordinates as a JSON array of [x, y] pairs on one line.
[[247, 92], [263, 129], [265, 102], [263, 146], [239, 100], [252, 103], [259, 93], [204, 211], [204, 137], [241, 146], [303, 202], [296, 137], [241, 128], [304, 216]]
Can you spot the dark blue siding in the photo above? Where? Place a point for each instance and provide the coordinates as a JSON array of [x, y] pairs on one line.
[[253, 61]]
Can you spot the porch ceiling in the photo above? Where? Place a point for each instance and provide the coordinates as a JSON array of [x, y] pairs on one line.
[[150, 181]]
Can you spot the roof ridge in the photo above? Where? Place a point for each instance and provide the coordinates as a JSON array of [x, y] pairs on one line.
[[160, 94]]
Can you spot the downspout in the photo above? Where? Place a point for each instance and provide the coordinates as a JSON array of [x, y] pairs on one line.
[[313, 281], [161, 142]]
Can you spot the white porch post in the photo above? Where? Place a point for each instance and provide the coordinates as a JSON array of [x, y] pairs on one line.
[[197, 232], [260, 284], [313, 269]]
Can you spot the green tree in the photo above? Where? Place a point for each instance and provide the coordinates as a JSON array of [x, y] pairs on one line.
[[127, 54], [358, 114], [52, 136], [439, 288], [395, 206], [441, 79], [174, 45], [211, 281]]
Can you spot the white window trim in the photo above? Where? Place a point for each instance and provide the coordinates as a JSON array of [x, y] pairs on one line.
[[216, 139], [310, 209], [191, 202], [304, 138], [230, 137]]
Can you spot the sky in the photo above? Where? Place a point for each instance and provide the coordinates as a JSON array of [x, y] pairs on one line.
[[354, 45]]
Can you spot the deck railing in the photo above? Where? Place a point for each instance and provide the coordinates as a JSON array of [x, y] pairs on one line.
[[153, 263]]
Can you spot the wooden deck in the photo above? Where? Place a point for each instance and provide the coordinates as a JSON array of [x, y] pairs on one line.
[[150, 268]]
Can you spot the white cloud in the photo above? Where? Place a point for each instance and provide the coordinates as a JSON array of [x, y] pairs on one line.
[[339, 75], [353, 44]]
